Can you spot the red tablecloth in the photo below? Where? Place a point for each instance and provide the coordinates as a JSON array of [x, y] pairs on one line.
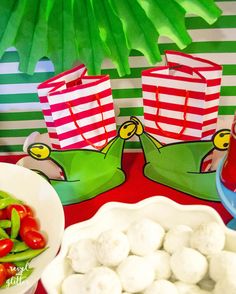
[[136, 188]]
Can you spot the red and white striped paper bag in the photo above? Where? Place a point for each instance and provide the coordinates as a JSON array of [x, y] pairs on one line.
[[181, 99], [78, 110], [52, 84]]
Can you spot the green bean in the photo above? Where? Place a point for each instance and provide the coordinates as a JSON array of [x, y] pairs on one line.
[[4, 202], [17, 279], [21, 264], [5, 223], [3, 234], [27, 254], [19, 246], [15, 223], [4, 194]]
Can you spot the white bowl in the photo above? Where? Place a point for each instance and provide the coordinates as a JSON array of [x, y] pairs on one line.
[[35, 191], [119, 215]]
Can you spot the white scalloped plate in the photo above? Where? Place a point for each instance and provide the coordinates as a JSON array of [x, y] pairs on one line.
[[35, 191], [119, 215]]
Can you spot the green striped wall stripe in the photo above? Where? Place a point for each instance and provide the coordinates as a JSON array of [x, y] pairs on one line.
[[228, 69], [228, 91], [131, 111], [19, 98], [11, 148], [32, 97], [18, 148], [224, 0], [195, 47], [20, 78], [20, 133], [138, 111], [134, 73], [227, 110], [127, 93], [132, 145], [127, 111], [116, 93], [12, 56], [225, 21], [15, 116], [137, 92]]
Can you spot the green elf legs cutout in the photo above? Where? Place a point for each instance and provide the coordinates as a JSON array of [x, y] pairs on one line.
[[178, 165], [87, 173]]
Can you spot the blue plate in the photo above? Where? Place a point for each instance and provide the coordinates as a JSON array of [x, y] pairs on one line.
[[227, 197]]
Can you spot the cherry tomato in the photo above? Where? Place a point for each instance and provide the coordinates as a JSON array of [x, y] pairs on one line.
[[34, 239], [3, 214], [11, 269], [3, 274], [30, 211], [19, 208], [28, 223], [6, 246]]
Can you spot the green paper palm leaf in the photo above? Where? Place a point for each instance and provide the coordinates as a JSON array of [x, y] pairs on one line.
[[87, 31], [11, 15], [138, 28], [112, 35], [168, 18], [88, 40], [33, 45], [61, 35], [206, 9], [6, 8]]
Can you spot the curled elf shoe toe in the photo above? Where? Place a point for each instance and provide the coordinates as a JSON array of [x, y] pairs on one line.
[[39, 151], [139, 125], [127, 130], [221, 139]]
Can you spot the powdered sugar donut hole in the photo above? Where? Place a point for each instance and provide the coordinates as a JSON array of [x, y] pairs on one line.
[[101, 280], [72, 284], [145, 236], [112, 247], [188, 265], [82, 256], [222, 264], [208, 238], [177, 237], [225, 285], [160, 261], [135, 274], [161, 287], [184, 288]]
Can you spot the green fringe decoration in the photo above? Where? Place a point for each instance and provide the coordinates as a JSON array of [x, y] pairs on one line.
[[88, 31]]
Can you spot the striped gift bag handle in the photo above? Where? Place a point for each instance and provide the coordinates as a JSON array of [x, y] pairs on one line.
[[69, 105], [167, 133]]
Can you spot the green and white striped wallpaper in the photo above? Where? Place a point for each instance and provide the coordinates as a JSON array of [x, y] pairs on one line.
[[20, 111]]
